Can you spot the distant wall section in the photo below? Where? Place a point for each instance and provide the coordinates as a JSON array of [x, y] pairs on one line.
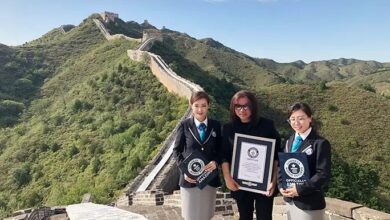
[[109, 37], [173, 82]]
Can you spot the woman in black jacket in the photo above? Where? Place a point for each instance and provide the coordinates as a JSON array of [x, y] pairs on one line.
[[244, 120], [203, 134], [306, 201]]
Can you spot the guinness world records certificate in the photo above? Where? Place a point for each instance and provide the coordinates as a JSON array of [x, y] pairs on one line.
[[252, 162]]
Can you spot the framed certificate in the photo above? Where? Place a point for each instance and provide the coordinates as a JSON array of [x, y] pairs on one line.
[[193, 166], [252, 162]]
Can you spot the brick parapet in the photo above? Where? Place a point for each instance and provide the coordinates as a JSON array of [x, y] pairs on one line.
[[224, 205]]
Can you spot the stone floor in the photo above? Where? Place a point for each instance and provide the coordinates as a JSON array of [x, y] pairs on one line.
[[173, 213]]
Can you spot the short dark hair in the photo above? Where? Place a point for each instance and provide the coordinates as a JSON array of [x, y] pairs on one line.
[[300, 106], [199, 95], [252, 105]]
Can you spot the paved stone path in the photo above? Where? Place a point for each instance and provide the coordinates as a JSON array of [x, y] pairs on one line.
[[173, 213]]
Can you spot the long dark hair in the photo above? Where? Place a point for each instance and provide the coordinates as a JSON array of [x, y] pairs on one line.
[[252, 106]]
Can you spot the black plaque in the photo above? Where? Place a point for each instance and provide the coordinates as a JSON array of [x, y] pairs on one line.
[[193, 167], [294, 168]]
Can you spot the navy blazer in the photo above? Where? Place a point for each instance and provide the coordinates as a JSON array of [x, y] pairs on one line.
[[318, 151], [187, 140]]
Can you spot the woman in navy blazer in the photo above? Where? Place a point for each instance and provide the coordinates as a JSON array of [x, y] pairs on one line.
[[306, 201], [198, 204]]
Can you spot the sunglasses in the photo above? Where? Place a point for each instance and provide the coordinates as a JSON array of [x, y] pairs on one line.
[[241, 107]]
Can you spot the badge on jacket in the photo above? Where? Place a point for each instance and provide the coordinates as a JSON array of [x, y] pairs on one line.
[[308, 151]]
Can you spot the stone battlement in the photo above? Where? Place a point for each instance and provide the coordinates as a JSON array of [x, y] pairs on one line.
[[226, 206]]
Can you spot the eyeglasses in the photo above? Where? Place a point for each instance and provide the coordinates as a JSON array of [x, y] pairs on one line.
[[298, 119], [241, 107]]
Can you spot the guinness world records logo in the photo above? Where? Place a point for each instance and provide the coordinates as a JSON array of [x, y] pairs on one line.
[[294, 168], [253, 152], [195, 167]]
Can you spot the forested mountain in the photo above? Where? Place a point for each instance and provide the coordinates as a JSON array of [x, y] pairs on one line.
[[77, 116], [89, 122]]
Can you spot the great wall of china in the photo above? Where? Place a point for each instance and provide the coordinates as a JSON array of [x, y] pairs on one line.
[[154, 188]]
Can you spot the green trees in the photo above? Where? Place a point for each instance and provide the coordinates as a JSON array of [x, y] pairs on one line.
[[9, 112], [94, 127], [354, 182], [21, 176]]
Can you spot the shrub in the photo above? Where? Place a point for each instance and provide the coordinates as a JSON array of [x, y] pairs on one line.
[[368, 87]]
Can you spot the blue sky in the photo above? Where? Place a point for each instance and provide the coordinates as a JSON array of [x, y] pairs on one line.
[[282, 30]]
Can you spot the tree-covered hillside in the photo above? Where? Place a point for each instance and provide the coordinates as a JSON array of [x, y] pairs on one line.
[[354, 118], [369, 75], [95, 119], [24, 69]]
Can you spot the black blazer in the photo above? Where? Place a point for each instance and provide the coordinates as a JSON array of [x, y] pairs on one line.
[[263, 128], [187, 140], [318, 151]]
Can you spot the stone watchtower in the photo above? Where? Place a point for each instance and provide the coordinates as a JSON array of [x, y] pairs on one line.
[[108, 16]]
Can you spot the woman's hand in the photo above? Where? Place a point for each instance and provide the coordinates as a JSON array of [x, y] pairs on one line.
[[290, 192], [210, 166], [272, 185], [271, 189], [231, 183], [188, 179]]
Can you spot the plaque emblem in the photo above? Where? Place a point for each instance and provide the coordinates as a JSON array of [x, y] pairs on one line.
[[253, 152], [195, 167], [294, 168]]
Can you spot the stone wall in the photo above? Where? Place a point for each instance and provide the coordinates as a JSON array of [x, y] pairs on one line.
[[151, 34], [336, 209], [39, 213]]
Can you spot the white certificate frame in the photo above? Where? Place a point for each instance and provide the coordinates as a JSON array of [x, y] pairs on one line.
[[252, 162]]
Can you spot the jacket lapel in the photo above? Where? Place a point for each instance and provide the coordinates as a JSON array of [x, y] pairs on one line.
[[308, 142], [209, 132], [194, 131], [289, 143]]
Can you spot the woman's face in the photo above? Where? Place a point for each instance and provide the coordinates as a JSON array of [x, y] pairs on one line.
[[200, 109], [243, 110], [299, 121]]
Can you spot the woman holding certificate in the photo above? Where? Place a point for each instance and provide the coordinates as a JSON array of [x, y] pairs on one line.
[[305, 201], [198, 134], [244, 120]]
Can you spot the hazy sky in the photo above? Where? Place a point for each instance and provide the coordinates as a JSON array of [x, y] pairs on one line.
[[282, 30]]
